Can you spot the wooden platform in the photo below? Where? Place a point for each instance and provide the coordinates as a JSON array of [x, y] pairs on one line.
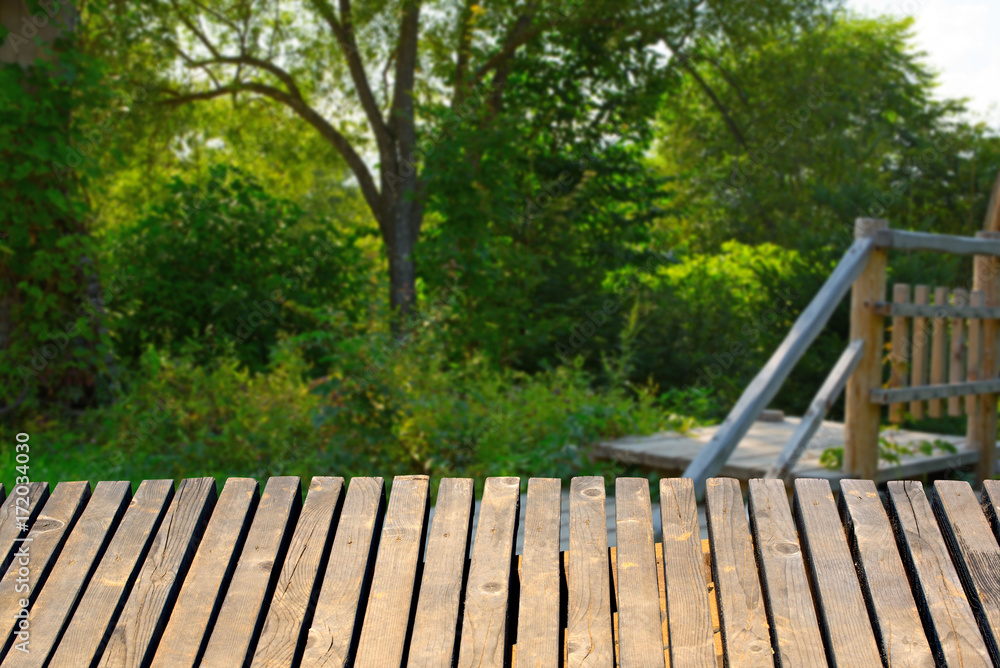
[[180, 578], [672, 452]]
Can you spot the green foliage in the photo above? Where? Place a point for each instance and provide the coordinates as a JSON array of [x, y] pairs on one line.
[[889, 450], [223, 264]]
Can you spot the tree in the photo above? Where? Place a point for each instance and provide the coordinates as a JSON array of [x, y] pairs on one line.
[[361, 75]]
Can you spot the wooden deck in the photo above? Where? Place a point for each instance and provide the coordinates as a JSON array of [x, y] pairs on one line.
[[181, 578], [672, 452]]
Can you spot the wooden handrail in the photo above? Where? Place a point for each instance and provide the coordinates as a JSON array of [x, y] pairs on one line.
[[939, 243], [967, 389], [935, 311]]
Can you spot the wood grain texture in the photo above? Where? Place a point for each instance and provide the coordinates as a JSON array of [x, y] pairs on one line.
[[38, 553], [939, 350], [336, 624], [204, 588], [241, 617], [386, 627], [538, 637], [17, 513], [70, 574], [484, 641], [90, 628], [688, 608], [588, 634], [844, 622], [434, 640], [144, 616], [974, 552], [991, 505], [290, 611], [640, 641], [791, 613], [895, 619], [742, 617], [947, 616]]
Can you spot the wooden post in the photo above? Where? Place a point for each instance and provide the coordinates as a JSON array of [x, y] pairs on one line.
[[973, 352], [897, 376], [918, 363], [986, 277], [956, 366], [862, 417], [939, 349]]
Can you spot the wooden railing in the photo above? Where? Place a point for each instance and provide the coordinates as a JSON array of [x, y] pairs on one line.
[[972, 350]]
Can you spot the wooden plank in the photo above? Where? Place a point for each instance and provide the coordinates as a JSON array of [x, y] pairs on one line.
[[290, 611], [89, 629], [975, 554], [37, 553], [538, 638], [144, 616], [973, 354], [956, 362], [742, 617], [765, 385], [17, 514], [982, 432], [947, 616], [862, 419], [843, 617], [336, 624], [588, 632], [918, 365], [241, 616], [69, 576], [895, 620], [393, 593], [791, 614], [640, 640], [991, 505], [939, 347], [435, 625], [821, 404], [484, 623], [203, 590], [936, 391], [938, 243], [688, 608], [899, 356], [935, 311]]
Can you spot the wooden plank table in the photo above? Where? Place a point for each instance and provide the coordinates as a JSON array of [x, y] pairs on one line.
[[355, 574]]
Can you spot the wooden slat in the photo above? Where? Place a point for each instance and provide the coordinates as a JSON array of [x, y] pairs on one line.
[[640, 640], [144, 616], [948, 619], [688, 608], [203, 590], [588, 632], [956, 360], [57, 599], [290, 611], [843, 617], [790, 611], [936, 391], [433, 644], [38, 553], [918, 310], [17, 514], [895, 620], [991, 505], [982, 433], [918, 365], [742, 617], [898, 359], [765, 385], [821, 403], [393, 594], [340, 608], [538, 641], [89, 629], [975, 554], [938, 243], [973, 354], [939, 350], [484, 623], [241, 617]]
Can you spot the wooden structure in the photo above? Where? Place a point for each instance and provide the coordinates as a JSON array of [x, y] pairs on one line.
[[182, 578], [945, 349]]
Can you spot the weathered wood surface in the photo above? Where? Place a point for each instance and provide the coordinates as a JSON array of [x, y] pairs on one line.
[[938, 243], [344, 580]]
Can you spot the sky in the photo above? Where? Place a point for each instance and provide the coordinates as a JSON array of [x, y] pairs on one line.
[[962, 45]]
